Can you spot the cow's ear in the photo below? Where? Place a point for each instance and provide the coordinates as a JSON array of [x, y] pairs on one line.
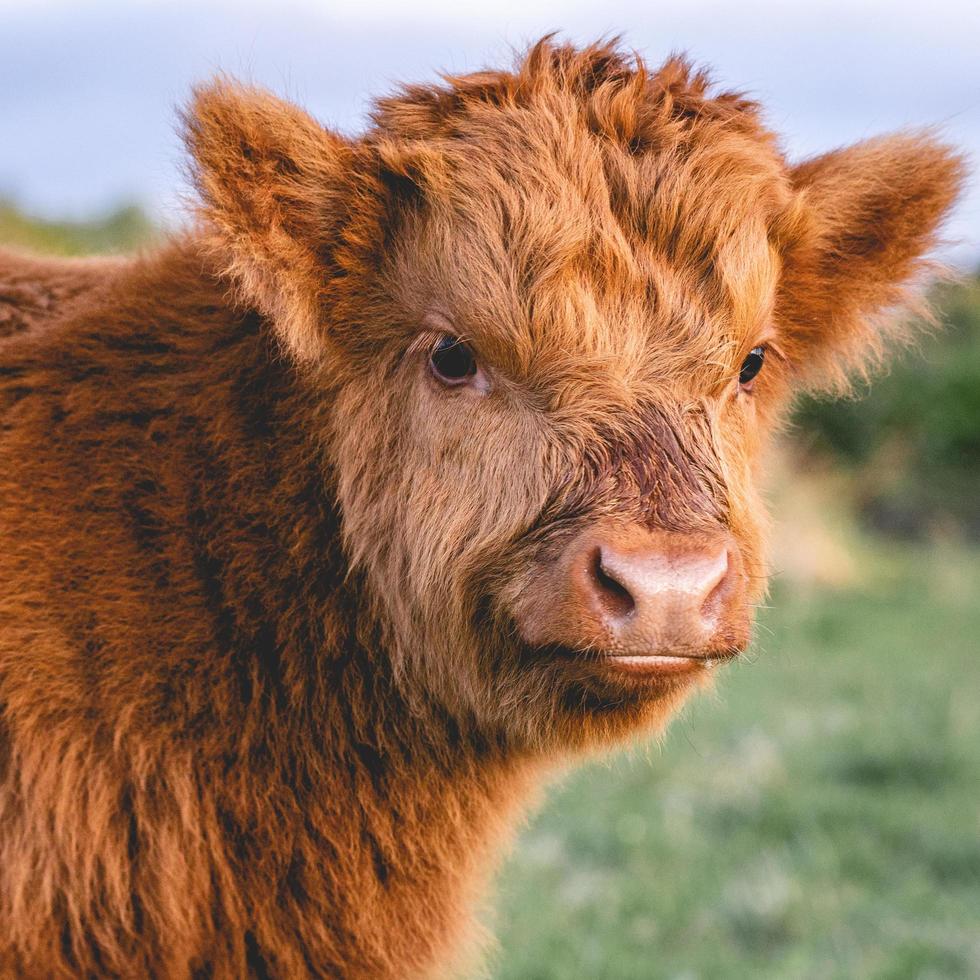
[[273, 183], [865, 218]]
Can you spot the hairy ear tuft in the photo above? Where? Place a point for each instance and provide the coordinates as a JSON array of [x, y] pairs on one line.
[[864, 222], [272, 187]]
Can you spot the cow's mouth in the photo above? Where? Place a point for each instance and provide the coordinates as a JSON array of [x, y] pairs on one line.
[[640, 666], [650, 664]]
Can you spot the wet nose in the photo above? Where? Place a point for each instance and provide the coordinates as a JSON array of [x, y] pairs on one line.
[[651, 592]]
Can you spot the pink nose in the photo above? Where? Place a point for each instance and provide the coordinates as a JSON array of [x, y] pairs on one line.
[[666, 594], [632, 591]]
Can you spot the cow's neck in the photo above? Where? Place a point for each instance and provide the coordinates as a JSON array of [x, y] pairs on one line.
[[421, 811], [397, 815]]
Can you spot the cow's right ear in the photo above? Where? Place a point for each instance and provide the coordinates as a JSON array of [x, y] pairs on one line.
[[273, 185], [866, 218]]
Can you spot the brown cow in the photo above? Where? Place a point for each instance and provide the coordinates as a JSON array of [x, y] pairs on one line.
[[425, 464]]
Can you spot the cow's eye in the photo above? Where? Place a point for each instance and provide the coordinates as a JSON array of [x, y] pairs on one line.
[[452, 361], [751, 366]]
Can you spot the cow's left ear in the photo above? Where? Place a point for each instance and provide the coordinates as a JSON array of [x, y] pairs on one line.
[[273, 184], [864, 220]]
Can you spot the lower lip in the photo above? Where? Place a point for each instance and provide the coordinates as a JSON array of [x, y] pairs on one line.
[[650, 665]]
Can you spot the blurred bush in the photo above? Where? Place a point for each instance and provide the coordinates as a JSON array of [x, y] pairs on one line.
[[911, 443], [123, 230]]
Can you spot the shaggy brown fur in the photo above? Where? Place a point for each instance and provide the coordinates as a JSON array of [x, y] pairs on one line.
[[264, 705], [36, 291]]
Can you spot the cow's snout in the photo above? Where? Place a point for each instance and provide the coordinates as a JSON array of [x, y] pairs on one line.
[[630, 591], [656, 593]]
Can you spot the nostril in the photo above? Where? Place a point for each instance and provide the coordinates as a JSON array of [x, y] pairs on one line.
[[716, 586], [615, 598]]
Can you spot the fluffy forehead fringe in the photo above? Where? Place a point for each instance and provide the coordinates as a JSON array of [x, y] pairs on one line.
[[616, 94], [592, 177]]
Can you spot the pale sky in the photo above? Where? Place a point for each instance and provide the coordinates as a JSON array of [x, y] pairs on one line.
[[88, 90]]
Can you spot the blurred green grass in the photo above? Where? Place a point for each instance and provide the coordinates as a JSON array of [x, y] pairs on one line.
[[818, 815]]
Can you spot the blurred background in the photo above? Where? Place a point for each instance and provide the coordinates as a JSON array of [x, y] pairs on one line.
[[819, 814]]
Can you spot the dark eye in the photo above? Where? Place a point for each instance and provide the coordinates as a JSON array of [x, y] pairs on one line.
[[751, 366], [452, 361]]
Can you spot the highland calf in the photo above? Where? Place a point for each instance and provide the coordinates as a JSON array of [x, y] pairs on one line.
[[425, 463]]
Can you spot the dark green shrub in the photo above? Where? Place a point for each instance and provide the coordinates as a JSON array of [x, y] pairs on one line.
[[912, 441]]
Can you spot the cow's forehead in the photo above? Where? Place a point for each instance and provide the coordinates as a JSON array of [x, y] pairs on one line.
[[584, 210], [618, 272]]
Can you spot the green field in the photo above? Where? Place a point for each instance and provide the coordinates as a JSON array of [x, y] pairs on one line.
[[817, 816]]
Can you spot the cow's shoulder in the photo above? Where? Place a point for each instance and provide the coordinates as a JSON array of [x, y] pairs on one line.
[[35, 290]]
